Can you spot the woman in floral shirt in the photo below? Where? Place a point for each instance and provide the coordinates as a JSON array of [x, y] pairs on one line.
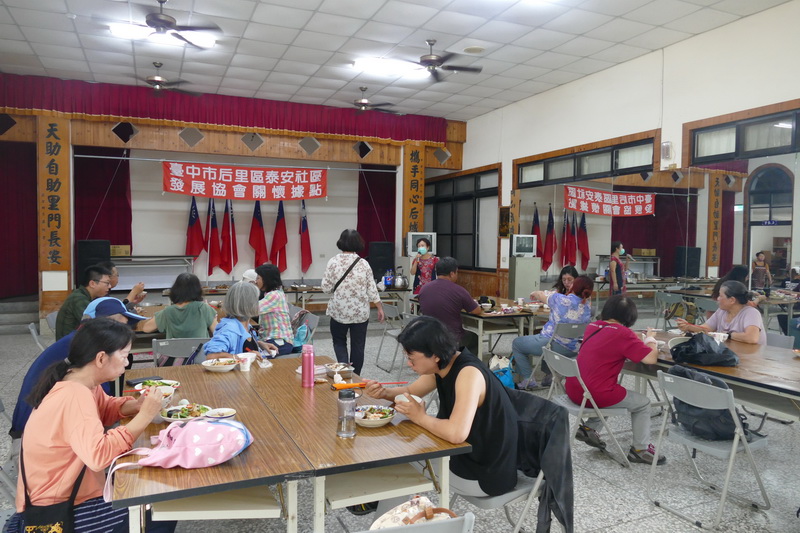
[[572, 308], [350, 302]]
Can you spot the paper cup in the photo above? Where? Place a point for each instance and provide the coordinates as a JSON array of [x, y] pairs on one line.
[[245, 360], [520, 301], [720, 337]]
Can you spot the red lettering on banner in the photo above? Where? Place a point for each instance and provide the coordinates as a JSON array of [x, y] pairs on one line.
[[597, 202], [244, 183]]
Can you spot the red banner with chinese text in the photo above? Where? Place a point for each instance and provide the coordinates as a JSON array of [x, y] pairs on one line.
[[244, 183], [616, 204]]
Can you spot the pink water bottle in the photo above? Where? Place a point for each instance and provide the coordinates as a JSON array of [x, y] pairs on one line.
[[308, 365]]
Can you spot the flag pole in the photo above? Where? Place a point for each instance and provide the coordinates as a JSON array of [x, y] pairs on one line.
[[230, 235], [208, 237]]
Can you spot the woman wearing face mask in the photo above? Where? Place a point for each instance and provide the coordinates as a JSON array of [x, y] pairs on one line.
[[565, 279], [423, 267], [616, 270]]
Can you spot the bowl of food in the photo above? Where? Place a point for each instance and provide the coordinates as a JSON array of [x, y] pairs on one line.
[[220, 365], [373, 416], [157, 383], [185, 411], [486, 306], [343, 369], [402, 398], [221, 412]]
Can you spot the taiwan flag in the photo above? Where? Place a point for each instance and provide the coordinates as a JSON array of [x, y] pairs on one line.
[[229, 250], [257, 239], [565, 241], [279, 240], [573, 243], [583, 243], [550, 243], [211, 239], [537, 230], [305, 241], [194, 233]]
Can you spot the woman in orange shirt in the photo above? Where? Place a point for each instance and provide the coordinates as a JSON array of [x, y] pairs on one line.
[[66, 429]]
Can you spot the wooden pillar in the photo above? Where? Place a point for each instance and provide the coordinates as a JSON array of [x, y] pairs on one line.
[[413, 188], [714, 220], [513, 213], [54, 186]]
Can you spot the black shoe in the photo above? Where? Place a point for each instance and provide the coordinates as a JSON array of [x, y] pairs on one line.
[[363, 508], [589, 436]]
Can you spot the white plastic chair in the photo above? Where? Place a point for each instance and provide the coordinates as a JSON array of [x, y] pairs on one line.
[[36, 338], [707, 397], [566, 367]]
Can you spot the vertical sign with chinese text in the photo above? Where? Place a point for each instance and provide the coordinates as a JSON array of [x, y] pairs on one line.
[[714, 220], [413, 188], [54, 174], [513, 214]]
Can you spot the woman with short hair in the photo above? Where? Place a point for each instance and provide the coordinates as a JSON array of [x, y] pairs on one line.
[[606, 345], [423, 267], [348, 279], [66, 431], [189, 317], [735, 316], [234, 334], [273, 310]]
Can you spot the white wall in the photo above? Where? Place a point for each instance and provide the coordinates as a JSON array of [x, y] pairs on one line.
[[160, 219]]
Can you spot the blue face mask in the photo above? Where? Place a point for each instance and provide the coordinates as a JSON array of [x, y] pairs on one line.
[[422, 250]]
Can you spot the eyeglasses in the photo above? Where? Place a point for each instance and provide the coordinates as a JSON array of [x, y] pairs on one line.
[[104, 281]]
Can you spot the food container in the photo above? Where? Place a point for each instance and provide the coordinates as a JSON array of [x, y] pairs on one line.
[[363, 412], [486, 307], [219, 365], [344, 370]]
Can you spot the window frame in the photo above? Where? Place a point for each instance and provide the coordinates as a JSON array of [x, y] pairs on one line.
[[740, 126]]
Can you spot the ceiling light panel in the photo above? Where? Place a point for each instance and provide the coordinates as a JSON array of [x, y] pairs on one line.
[[234, 9], [288, 17], [542, 39]]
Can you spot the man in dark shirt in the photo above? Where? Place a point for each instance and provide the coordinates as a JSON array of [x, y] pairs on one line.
[[96, 283], [444, 299]]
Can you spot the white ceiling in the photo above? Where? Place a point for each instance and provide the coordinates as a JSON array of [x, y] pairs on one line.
[[303, 50]]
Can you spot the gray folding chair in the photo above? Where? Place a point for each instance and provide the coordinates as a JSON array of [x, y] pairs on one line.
[[705, 305], [707, 397], [393, 325], [567, 331], [779, 340], [526, 490], [51, 320], [663, 301], [37, 339], [462, 524], [167, 352], [567, 367], [8, 482]]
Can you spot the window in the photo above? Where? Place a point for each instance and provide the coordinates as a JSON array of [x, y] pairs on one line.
[[745, 139], [615, 160], [771, 198], [463, 213]]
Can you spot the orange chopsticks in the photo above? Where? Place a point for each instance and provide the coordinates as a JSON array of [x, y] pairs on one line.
[[340, 386]]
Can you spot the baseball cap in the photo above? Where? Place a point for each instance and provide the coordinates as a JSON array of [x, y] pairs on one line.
[[107, 306]]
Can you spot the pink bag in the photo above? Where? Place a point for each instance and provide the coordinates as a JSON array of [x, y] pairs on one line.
[[194, 443]]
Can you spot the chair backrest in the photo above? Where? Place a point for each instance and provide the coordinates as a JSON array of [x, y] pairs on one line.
[[668, 299], [570, 331], [391, 312], [706, 304], [293, 310], [166, 352], [462, 524], [35, 334], [779, 340], [311, 321], [564, 366], [51, 320], [696, 393]]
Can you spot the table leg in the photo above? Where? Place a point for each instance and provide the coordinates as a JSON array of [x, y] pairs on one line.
[[480, 339], [319, 504], [135, 518], [291, 506], [444, 482]]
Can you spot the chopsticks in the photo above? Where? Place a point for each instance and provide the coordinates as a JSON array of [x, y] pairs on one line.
[[340, 386]]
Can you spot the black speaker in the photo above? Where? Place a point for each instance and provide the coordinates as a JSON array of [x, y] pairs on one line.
[[687, 262], [88, 253], [381, 257]]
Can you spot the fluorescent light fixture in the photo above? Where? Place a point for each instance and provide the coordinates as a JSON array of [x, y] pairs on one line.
[[738, 208], [130, 31], [199, 38], [137, 33], [164, 38], [391, 68], [785, 125]]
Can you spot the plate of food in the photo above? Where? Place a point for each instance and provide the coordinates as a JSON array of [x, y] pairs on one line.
[[221, 412], [185, 412], [157, 383], [220, 365], [343, 369], [373, 416]]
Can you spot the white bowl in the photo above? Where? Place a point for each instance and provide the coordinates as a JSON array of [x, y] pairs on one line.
[[402, 398], [221, 412], [372, 423], [344, 370], [164, 383], [216, 365], [486, 307]]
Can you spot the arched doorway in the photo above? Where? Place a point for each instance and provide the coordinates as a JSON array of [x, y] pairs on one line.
[[768, 223]]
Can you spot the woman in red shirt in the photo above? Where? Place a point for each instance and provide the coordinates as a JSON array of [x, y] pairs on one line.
[[606, 345]]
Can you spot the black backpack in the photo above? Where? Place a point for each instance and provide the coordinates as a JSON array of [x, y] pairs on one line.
[[710, 424]]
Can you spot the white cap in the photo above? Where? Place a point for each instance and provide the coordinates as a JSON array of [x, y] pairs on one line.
[[249, 276]]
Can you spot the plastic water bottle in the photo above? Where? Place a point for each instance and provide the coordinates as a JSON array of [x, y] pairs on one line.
[[346, 428], [308, 365]]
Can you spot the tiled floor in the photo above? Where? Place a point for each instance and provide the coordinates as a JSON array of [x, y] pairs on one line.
[[608, 497]]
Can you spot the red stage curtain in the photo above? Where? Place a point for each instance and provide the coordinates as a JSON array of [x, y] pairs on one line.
[[664, 231], [376, 204], [102, 191], [18, 219], [99, 101]]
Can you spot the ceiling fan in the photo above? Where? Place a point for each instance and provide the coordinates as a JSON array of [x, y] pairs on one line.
[[434, 62], [163, 26], [160, 83], [363, 104]]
